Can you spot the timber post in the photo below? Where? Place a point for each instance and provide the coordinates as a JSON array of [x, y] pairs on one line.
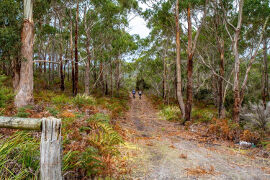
[[50, 145]]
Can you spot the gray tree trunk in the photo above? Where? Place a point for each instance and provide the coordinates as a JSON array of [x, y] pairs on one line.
[[178, 62], [24, 95]]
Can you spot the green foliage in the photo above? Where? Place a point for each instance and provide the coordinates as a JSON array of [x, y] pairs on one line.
[[10, 25], [6, 94], [69, 160], [170, 113], [19, 157], [22, 112], [107, 136], [100, 117], [81, 100], [61, 100], [203, 94], [53, 111], [90, 161], [202, 115]]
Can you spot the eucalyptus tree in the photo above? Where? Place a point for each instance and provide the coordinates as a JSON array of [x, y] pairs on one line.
[[254, 11], [192, 43], [240, 91], [24, 94]]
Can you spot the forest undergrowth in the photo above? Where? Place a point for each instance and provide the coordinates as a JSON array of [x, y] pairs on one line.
[[205, 122], [90, 134]]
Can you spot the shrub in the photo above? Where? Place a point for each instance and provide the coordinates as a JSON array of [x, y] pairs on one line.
[[202, 115], [81, 100], [23, 112], [45, 95], [203, 94], [250, 136], [60, 100], [6, 94], [99, 117], [256, 116], [53, 111], [224, 129], [170, 113], [90, 161]]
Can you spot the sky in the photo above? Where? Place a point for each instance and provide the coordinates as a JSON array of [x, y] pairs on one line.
[[137, 25]]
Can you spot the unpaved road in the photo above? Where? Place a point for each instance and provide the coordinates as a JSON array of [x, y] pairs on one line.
[[162, 150]]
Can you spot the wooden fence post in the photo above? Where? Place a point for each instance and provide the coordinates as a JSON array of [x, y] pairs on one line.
[[50, 149]]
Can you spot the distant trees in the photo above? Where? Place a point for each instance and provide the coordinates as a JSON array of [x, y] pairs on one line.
[[216, 56], [69, 50], [204, 49]]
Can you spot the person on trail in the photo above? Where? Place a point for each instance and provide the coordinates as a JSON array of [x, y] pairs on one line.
[[140, 94], [133, 92]]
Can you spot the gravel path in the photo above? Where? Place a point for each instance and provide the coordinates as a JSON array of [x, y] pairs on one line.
[[161, 150]]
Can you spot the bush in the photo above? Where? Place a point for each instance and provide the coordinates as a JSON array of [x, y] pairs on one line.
[[23, 112], [53, 111], [202, 115], [60, 100], [203, 94], [224, 129], [82, 100], [256, 116], [6, 94], [170, 113]]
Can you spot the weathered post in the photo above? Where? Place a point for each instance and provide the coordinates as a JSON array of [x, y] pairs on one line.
[[50, 149], [50, 145]]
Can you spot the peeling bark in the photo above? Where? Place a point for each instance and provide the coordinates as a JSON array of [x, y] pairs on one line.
[[24, 94]]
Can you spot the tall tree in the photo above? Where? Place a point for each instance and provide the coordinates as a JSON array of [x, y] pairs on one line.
[[240, 91], [24, 94], [190, 53], [178, 62], [76, 68]]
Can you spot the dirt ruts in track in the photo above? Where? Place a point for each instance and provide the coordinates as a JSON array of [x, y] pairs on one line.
[[164, 151]]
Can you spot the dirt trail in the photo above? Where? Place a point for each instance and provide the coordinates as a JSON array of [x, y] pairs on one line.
[[162, 150]]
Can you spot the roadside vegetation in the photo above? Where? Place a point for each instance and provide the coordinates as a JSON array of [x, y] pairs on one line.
[[254, 126], [90, 133]]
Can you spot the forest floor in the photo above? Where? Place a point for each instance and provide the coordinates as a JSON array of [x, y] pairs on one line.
[[159, 149]]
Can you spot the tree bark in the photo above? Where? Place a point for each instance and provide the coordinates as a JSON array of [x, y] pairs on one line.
[[16, 74], [87, 71], [189, 69], [117, 74], [178, 62], [76, 75], [236, 89], [265, 86], [71, 56], [221, 108], [111, 76], [24, 95]]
